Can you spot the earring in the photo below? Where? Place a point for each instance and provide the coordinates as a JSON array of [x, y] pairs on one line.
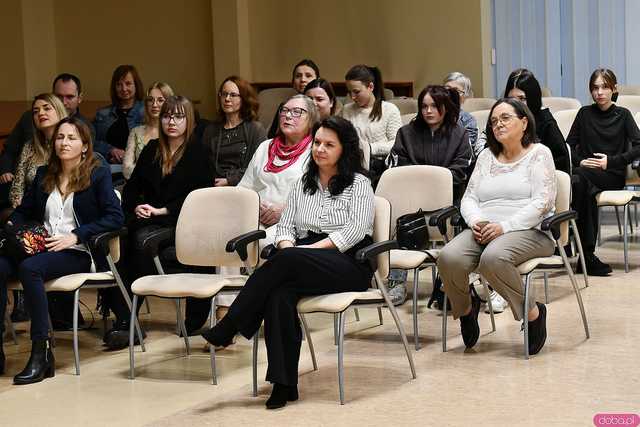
[[84, 154]]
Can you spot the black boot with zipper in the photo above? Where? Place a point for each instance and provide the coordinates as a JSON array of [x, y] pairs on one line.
[[41, 364]]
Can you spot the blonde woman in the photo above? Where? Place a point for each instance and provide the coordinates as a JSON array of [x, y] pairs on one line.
[[47, 111], [157, 93]]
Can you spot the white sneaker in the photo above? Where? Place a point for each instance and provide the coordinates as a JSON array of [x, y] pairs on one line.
[[498, 303]]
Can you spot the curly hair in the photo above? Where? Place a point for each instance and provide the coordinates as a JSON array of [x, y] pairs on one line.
[[350, 161]]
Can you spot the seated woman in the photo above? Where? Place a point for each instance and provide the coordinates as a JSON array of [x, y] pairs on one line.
[[126, 112], [73, 197], [139, 136], [462, 84], [376, 120], [600, 138], [303, 72], [323, 96], [47, 110], [279, 162], [524, 86], [316, 256], [168, 169], [511, 191]]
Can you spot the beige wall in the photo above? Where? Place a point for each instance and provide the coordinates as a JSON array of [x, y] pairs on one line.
[[12, 83], [166, 40], [414, 40]]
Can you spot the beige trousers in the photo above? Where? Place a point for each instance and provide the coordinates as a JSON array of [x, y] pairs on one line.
[[496, 262]]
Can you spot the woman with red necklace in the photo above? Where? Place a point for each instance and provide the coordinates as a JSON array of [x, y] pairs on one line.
[[279, 162]]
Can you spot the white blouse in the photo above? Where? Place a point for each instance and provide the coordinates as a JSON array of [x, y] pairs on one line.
[[346, 218], [272, 187], [59, 217], [380, 134], [518, 195]]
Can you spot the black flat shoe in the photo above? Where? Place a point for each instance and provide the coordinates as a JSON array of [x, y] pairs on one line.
[[469, 324], [280, 395], [595, 267], [118, 339], [538, 330], [222, 334]]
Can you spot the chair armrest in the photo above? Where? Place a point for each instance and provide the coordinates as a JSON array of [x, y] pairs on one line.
[[100, 242], [375, 249], [268, 251], [553, 223], [153, 241], [458, 221], [239, 244], [439, 218]]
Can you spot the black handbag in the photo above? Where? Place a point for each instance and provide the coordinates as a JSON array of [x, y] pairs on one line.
[[22, 241], [412, 231]]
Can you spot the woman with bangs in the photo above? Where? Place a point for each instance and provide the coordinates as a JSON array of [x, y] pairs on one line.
[[73, 197], [139, 136], [168, 169], [323, 95], [604, 139]]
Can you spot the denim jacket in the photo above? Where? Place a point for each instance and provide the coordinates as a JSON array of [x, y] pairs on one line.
[[106, 116]]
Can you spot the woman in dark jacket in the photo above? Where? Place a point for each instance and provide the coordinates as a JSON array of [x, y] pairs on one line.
[[523, 86], [73, 197], [168, 169]]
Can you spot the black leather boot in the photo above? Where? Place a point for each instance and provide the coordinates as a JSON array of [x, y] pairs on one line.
[[41, 364], [19, 313]]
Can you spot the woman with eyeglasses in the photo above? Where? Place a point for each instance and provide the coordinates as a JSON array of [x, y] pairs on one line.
[[168, 169], [279, 162], [511, 191], [462, 84], [139, 136], [524, 86], [604, 139]]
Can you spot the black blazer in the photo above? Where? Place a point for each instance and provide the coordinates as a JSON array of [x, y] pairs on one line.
[[97, 208]]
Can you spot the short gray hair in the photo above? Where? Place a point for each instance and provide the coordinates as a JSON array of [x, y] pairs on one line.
[[312, 111], [461, 79]]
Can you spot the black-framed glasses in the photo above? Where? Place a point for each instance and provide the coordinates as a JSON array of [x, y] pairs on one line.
[[177, 118], [295, 112]]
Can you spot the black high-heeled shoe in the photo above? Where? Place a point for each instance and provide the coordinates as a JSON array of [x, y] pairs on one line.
[[41, 364], [280, 395]]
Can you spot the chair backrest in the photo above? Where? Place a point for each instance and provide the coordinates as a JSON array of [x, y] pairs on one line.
[[563, 201], [405, 105], [629, 89], [409, 188], [209, 218], [406, 118], [269, 100], [475, 104], [555, 104], [565, 119], [630, 102], [546, 91], [382, 232], [388, 94], [481, 117]]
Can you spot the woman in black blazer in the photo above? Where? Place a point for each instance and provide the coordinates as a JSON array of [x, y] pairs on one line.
[[168, 169], [73, 197]]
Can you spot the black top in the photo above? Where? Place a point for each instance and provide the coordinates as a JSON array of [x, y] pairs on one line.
[[613, 132], [550, 135], [118, 133], [148, 186], [230, 150]]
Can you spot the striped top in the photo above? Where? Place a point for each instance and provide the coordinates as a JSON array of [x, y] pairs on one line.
[[347, 218]]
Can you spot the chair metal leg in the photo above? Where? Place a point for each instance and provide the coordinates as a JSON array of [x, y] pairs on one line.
[[444, 323], [491, 313], [132, 340], [76, 309], [574, 283], [341, 355], [335, 329], [635, 213], [212, 348], [254, 363], [546, 287], [618, 220], [307, 333], [576, 234], [525, 314], [182, 327], [380, 316], [146, 305], [357, 313], [416, 340], [599, 227], [625, 238], [630, 223]]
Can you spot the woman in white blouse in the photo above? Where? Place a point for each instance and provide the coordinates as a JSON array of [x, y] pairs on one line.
[[511, 191], [329, 216]]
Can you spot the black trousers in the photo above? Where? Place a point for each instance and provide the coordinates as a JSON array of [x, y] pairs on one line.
[[273, 291], [587, 183]]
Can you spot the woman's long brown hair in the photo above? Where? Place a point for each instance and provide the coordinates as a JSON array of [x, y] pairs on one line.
[[80, 176], [174, 105]]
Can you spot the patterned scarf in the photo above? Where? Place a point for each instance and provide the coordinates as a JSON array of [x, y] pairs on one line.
[[289, 154]]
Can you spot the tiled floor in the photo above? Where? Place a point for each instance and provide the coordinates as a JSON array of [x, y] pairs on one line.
[[566, 384]]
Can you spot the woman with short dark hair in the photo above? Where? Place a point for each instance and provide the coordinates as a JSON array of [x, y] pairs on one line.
[[511, 191], [316, 254], [323, 95]]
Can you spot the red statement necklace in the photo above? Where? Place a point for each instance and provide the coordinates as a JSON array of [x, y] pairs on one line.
[[289, 154]]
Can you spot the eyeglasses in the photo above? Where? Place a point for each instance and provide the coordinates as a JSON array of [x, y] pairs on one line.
[[232, 95], [504, 119], [294, 112], [151, 100], [177, 118]]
